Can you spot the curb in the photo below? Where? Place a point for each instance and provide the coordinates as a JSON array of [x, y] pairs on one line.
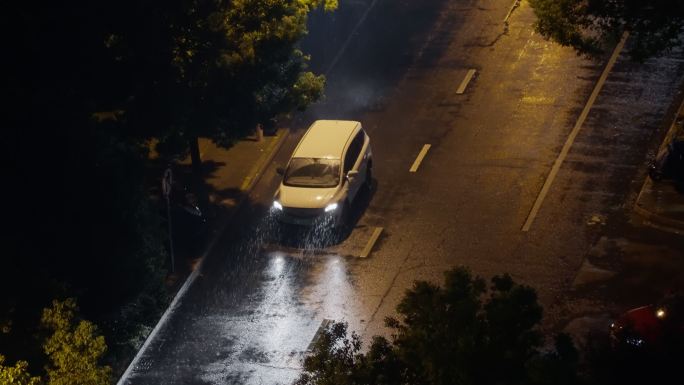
[[659, 221], [195, 273], [272, 149], [652, 219]]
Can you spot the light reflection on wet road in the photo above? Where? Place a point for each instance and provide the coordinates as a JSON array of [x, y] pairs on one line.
[[255, 323], [262, 295]]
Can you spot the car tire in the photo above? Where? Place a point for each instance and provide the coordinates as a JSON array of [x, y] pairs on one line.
[[343, 219], [369, 177]]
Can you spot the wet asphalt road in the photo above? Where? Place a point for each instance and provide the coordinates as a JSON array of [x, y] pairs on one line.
[[250, 315]]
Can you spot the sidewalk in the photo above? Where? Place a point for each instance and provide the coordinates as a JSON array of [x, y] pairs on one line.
[[659, 202], [230, 175]]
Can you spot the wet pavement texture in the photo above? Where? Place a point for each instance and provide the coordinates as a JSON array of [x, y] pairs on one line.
[[263, 292]]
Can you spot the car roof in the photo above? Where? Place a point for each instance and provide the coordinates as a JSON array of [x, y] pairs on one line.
[[326, 139]]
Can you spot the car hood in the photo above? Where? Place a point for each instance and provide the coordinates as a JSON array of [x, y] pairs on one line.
[[302, 197]]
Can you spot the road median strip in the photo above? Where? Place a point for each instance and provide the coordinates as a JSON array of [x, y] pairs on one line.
[[464, 83], [371, 242], [419, 159]]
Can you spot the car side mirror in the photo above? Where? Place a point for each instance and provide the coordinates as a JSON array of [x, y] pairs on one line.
[[352, 174], [280, 170]]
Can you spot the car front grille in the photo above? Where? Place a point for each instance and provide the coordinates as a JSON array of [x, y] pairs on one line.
[[302, 212]]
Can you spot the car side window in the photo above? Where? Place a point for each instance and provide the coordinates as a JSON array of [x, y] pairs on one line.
[[353, 152]]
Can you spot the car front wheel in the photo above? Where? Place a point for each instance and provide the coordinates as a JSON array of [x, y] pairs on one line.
[[369, 178]]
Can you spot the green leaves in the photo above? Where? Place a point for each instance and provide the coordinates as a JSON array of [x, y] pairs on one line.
[[590, 26], [307, 89], [336, 359], [236, 64], [17, 374], [450, 334], [74, 348], [567, 22]]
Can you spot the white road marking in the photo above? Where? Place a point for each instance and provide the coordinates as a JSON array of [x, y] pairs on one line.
[[578, 125], [466, 80], [319, 332], [162, 321], [419, 159], [510, 11], [125, 377], [167, 313], [371, 242]]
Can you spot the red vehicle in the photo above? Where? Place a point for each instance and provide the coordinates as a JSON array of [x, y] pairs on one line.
[[653, 327]]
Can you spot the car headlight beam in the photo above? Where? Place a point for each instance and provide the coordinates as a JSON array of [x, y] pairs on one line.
[[330, 207]]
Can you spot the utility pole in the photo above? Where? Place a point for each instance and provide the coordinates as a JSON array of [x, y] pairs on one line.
[[259, 132], [167, 182]]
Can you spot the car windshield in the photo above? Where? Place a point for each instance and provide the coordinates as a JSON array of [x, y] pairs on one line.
[[312, 172]]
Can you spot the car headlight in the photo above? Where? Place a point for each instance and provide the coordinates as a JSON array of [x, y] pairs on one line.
[[277, 206], [330, 207]]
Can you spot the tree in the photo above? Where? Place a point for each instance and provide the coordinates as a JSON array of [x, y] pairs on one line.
[[90, 84], [17, 374], [235, 64], [337, 360], [591, 25], [449, 335], [99, 237], [74, 348]]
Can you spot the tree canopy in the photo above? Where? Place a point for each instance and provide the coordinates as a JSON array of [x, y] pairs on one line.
[[590, 26], [72, 347], [449, 335], [17, 374], [223, 67], [90, 84]]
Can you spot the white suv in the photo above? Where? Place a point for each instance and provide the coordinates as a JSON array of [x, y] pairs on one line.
[[329, 166]]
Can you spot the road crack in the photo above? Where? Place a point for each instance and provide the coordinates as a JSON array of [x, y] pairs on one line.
[[506, 25], [389, 288]]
